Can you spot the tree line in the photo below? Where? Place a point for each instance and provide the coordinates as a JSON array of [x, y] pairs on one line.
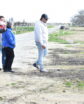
[[78, 19]]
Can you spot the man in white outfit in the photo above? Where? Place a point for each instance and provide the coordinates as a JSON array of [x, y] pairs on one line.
[[41, 40]]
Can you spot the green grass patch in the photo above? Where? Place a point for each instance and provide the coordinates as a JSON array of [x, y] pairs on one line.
[[1, 98], [13, 84], [55, 37], [77, 84], [80, 84], [50, 26], [81, 53], [81, 42], [68, 84], [23, 29]]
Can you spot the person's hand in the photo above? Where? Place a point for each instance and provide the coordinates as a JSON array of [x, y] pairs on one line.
[[43, 47]]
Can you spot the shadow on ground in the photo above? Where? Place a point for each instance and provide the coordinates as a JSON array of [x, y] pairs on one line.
[[55, 73], [56, 59]]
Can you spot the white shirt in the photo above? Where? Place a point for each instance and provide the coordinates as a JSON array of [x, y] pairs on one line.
[[41, 33]]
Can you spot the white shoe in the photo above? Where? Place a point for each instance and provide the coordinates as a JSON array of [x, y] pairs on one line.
[[43, 70]]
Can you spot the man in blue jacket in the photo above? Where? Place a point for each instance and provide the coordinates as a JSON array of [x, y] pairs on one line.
[[8, 44]]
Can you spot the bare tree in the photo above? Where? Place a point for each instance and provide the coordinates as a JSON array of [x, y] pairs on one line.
[[78, 20]]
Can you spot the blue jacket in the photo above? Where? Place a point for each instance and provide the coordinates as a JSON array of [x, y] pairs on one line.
[[8, 39]]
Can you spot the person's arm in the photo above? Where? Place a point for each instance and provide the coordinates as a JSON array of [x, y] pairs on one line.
[[38, 30]]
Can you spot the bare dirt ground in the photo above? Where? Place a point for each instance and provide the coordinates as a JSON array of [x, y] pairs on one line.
[[78, 36], [65, 63]]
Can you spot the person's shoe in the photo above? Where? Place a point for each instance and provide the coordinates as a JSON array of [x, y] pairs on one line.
[[5, 71], [0, 68], [11, 71], [43, 70], [36, 66]]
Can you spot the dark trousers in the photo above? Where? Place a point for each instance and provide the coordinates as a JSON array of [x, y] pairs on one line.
[[9, 57], [3, 57]]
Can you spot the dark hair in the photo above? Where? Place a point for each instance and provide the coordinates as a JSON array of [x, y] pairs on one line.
[[1, 17], [9, 24], [45, 16]]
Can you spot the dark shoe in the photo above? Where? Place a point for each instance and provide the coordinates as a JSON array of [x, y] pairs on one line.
[[36, 66], [0, 68], [11, 71], [5, 71]]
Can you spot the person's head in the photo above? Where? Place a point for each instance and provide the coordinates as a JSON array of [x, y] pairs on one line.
[[2, 18], [9, 25], [44, 18]]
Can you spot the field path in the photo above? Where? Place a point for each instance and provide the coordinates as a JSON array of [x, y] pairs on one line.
[[28, 86]]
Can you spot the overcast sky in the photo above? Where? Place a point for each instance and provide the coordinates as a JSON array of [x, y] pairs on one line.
[[31, 10]]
